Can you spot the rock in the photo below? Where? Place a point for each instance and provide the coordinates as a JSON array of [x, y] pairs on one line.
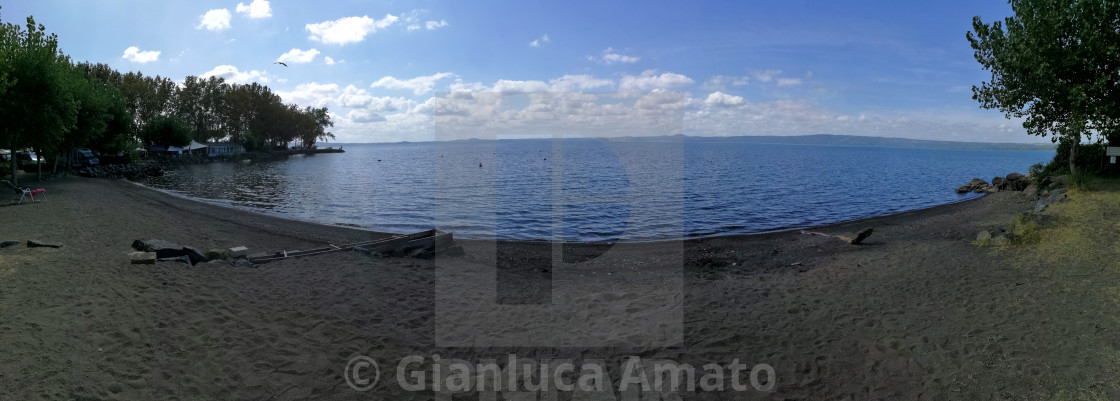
[[34, 243], [1057, 195], [1031, 190], [1015, 177], [243, 263], [195, 255], [180, 259], [219, 263], [976, 184], [1041, 205], [163, 249], [238, 251], [983, 237], [998, 182], [861, 235], [215, 254], [8, 243], [1058, 181], [142, 258]]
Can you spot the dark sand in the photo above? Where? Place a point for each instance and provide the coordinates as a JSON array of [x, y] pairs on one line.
[[917, 312]]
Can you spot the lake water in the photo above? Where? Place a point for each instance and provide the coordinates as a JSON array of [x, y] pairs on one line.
[[594, 190]]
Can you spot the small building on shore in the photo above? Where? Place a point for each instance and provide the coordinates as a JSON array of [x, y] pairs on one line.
[[215, 149]]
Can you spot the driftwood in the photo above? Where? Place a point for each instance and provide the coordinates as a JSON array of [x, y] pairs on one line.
[[860, 236]]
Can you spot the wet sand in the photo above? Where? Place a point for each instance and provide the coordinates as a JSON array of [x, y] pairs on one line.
[[916, 312]]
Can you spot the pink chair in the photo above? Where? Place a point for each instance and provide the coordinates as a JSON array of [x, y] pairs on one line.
[[25, 192]]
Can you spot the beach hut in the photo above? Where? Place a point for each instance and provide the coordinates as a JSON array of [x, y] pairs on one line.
[[196, 148]]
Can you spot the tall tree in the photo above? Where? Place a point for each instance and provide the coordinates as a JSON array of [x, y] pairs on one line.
[[1055, 63], [38, 106]]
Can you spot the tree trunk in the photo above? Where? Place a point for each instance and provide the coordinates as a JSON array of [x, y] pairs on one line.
[[1073, 156]]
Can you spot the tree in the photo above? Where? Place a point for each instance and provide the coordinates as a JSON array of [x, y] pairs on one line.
[[166, 130], [1055, 63], [37, 107]]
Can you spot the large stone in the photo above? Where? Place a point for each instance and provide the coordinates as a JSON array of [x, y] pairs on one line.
[[195, 255], [34, 243], [1015, 177], [8, 243], [983, 236], [163, 249], [1031, 190], [860, 236], [998, 182], [142, 258], [1058, 181], [215, 254], [238, 251]]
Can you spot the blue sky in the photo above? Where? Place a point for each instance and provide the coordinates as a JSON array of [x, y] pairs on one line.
[[389, 71]]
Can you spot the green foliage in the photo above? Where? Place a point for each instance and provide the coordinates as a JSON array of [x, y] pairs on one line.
[[1055, 63], [166, 130]]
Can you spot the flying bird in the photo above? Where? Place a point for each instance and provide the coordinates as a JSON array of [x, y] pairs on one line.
[[281, 63]]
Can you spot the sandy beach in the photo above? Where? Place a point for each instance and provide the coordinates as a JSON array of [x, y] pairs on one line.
[[916, 312]]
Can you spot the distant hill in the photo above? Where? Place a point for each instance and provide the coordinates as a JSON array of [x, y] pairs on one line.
[[852, 140]]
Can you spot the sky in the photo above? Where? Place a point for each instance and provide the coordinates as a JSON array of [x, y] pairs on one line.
[[433, 70]]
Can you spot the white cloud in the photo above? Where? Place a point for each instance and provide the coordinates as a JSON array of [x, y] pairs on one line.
[[789, 81], [364, 116], [134, 55], [328, 60], [722, 99], [766, 75], [256, 9], [214, 20], [433, 25], [413, 27], [649, 80], [540, 41], [721, 82], [299, 56], [418, 85], [233, 75], [347, 30], [509, 86], [572, 83], [611, 57]]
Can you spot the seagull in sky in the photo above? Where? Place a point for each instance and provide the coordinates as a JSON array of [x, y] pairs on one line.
[[281, 63]]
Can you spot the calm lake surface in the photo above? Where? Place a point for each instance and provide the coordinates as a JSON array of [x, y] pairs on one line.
[[594, 190]]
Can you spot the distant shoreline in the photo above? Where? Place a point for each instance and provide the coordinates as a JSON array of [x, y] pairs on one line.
[[818, 139]]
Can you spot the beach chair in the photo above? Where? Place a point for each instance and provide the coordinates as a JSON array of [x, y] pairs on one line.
[[25, 192]]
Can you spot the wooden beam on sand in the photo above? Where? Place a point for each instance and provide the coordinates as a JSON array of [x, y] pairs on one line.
[[434, 239]]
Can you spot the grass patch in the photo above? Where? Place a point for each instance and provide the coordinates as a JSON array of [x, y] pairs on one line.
[[1085, 230]]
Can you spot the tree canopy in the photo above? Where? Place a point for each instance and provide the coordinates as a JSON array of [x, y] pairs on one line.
[[1056, 64], [53, 105]]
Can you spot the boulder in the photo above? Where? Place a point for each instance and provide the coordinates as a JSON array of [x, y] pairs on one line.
[[163, 249], [243, 263], [34, 243], [8, 243], [983, 236], [1058, 181], [142, 258], [998, 182], [238, 251], [976, 184], [1015, 177], [861, 235], [216, 253], [1031, 190], [195, 255]]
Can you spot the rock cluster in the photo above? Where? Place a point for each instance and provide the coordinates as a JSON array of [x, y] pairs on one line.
[[121, 171], [153, 250], [1012, 182]]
